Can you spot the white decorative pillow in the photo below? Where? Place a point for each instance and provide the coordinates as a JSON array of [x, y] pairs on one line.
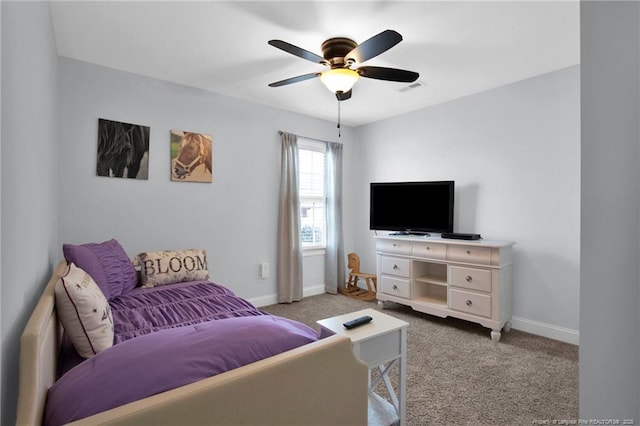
[[84, 312], [169, 266]]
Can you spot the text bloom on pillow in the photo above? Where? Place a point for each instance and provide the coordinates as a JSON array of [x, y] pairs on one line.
[[84, 312], [171, 266]]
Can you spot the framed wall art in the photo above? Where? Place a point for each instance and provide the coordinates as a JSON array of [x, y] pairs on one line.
[[191, 157], [123, 150]]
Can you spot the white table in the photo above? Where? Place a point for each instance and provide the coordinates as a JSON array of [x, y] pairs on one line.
[[381, 344]]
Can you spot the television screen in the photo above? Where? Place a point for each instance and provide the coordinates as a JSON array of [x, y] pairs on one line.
[[412, 207]]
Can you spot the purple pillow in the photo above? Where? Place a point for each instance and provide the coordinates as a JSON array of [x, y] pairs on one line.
[[107, 263]]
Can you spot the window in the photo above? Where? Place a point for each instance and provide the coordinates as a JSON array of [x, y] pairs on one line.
[[311, 178]]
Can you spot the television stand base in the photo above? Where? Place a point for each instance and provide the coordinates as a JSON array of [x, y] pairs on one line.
[[424, 234]]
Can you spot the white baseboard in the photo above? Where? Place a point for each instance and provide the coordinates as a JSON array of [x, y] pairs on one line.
[[272, 299], [313, 290], [546, 330], [269, 299]]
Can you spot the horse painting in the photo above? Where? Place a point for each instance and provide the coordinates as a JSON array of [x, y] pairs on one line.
[[194, 157], [123, 150]]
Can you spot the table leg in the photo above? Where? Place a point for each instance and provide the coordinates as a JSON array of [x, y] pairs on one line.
[[402, 378]]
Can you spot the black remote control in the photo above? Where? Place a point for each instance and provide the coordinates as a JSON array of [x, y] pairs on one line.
[[357, 322]]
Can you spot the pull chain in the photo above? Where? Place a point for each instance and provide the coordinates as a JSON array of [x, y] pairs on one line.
[[339, 135]]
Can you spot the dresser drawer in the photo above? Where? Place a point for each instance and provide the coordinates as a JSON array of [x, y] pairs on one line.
[[429, 250], [471, 303], [395, 266], [469, 254], [395, 286], [473, 278], [393, 246]]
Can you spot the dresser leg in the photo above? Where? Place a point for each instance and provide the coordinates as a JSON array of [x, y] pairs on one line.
[[495, 335], [507, 327], [381, 304]]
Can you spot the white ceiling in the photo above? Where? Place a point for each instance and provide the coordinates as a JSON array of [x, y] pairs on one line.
[[459, 48]]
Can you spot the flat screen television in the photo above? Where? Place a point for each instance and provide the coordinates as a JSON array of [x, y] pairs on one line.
[[412, 207]]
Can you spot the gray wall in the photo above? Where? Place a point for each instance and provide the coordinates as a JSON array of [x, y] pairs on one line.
[[234, 218], [609, 295], [29, 175], [514, 153], [1, 364]]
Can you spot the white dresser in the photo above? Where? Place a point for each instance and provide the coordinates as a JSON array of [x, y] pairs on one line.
[[471, 280]]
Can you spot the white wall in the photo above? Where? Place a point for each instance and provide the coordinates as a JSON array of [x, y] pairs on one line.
[[234, 218], [1, 364], [610, 329], [29, 175], [514, 153]]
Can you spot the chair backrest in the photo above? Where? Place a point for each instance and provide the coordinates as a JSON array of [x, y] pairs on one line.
[[353, 262]]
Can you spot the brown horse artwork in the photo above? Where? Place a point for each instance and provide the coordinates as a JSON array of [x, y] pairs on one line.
[[194, 158]]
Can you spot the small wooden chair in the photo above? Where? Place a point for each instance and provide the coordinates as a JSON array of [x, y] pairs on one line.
[[351, 288]]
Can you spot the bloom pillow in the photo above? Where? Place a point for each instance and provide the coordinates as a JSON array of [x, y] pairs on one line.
[[168, 267], [107, 263], [84, 312]]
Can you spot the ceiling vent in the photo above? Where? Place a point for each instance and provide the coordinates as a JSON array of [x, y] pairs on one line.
[[412, 86]]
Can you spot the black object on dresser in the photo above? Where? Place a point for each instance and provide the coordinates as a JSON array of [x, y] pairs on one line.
[[460, 236]]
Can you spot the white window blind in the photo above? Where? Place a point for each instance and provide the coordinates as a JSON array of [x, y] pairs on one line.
[[311, 178]]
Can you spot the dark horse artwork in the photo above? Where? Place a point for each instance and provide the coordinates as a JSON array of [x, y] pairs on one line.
[[123, 150], [195, 151]]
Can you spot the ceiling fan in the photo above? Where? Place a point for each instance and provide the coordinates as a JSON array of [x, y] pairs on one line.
[[339, 54]]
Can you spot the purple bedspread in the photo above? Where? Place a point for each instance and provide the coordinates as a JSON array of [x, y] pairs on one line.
[[156, 362], [166, 337], [145, 310]]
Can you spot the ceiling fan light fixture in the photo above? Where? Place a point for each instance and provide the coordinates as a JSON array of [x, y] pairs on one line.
[[339, 79]]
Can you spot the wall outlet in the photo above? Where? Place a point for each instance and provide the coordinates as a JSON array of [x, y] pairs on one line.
[[264, 270]]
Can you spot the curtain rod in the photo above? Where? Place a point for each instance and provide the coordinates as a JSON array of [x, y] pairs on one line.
[[306, 137]]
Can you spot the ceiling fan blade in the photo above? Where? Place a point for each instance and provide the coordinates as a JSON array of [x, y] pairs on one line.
[[390, 74], [296, 79], [374, 46], [343, 96], [298, 51]]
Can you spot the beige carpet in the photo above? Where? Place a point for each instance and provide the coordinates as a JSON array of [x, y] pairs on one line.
[[457, 376]]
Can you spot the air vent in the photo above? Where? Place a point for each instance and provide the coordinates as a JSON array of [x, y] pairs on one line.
[[412, 86]]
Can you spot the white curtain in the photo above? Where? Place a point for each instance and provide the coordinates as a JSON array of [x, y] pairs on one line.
[[289, 269], [334, 274]]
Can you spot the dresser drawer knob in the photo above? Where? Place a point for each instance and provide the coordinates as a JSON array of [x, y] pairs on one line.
[[395, 287], [469, 302], [395, 266], [468, 251], [428, 248], [469, 278]]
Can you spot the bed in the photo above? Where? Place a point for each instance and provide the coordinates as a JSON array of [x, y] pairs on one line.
[[305, 380]]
